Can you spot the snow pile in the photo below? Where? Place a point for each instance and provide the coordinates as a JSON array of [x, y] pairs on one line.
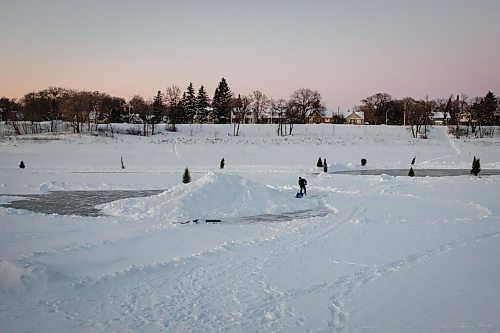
[[213, 196]]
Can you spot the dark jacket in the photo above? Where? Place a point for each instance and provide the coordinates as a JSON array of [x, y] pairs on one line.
[[302, 182]]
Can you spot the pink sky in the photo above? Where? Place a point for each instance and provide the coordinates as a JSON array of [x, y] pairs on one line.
[[347, 50]]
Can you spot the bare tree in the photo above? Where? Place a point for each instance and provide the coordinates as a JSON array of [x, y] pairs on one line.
[[260, 103], [305, 100], [466, 112], [141, 107], [111, 108], [280, 107], [294, 115], [417, 115], [241, 106], [376, 107], [77, 107], [55, 97], [8, 107]]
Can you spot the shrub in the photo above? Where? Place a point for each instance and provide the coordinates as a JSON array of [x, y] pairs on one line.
[[319, 164], [186, 178], [325, 166], [411, 173], [222, 163], [476, 166], [21, 165], [363, 161]]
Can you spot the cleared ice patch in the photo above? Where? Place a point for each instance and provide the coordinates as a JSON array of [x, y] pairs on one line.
[[215, 195]]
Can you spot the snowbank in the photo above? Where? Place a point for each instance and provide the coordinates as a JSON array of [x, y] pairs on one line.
[[215, 195]]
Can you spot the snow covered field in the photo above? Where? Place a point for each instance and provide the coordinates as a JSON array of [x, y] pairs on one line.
[[364, 253]]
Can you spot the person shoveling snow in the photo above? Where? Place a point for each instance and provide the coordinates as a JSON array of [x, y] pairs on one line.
[[302, 185]]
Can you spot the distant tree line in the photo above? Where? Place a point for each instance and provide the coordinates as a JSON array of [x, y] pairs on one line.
[[174, 106], [459, 112]]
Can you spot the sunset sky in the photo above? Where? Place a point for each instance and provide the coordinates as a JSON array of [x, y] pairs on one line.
[[345, 49]]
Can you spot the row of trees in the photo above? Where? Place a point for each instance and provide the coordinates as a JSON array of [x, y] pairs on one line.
[[473, 113], [174, 106]]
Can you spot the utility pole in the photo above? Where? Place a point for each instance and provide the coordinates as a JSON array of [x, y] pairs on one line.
[[404, 113]]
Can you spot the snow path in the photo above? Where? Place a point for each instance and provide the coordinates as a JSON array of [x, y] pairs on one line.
[[441, 134]]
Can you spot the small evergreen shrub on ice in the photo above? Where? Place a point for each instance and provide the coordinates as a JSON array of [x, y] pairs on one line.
[[476, 166], [21, 165], [121, 161], [186, 178], [363, 161], [222, 163], [325, 166], [319, 164], [411, 173]]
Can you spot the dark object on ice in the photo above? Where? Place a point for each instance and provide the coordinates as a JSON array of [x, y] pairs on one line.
[[476, 166], [413, 161], [189, 221], [319, 164], [325, 166], [222, 163], [121, 160], [213, 221], [363, 161], [21, 165], [411, 173], [299, 195]]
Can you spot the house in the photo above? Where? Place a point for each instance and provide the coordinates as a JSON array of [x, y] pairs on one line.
[[202, 116], [355, 118], [466, 118], [317, 117], [250, 117], [270, 116], [438, 118]]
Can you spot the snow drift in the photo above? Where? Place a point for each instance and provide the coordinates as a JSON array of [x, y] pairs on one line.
[[215, 195]]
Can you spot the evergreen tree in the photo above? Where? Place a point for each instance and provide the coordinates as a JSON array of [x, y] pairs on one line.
[[222, 163], [202, 103], [182, 109], [476, 166], [189, 103], [411, 173], [158, 107], [319, 164], [21, 165], [325, 166], [222, 102], [489, 106], [215, 104], [448, 112], [186, 178]]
